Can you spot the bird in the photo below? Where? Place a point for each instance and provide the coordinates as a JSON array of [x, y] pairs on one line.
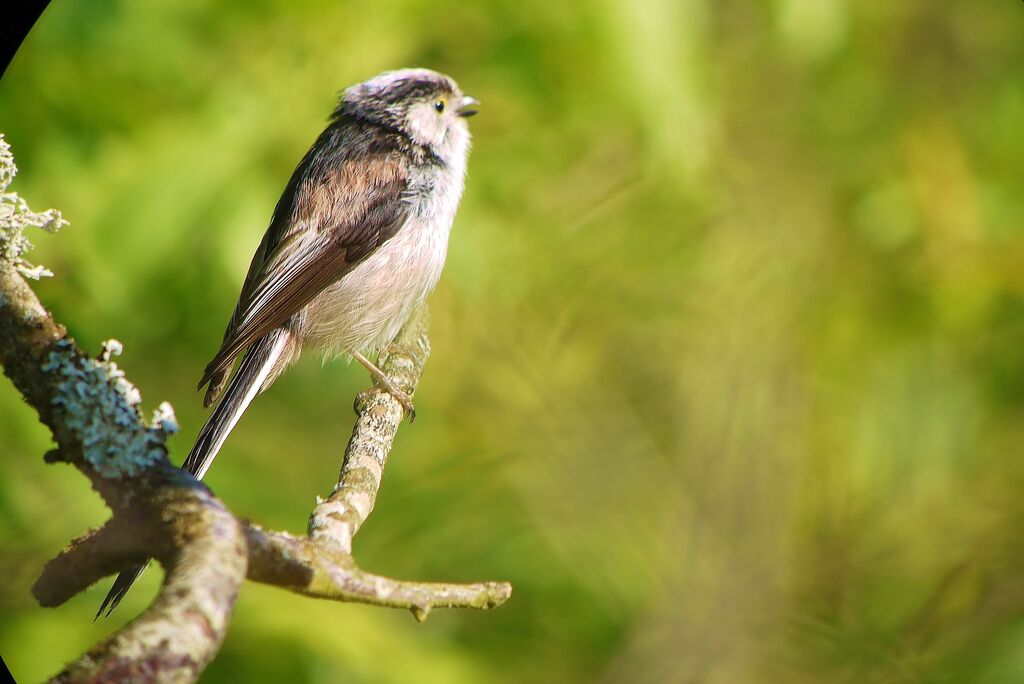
[[355, 244]]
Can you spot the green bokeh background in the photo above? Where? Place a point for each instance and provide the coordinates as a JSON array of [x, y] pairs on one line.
[[728, 369]]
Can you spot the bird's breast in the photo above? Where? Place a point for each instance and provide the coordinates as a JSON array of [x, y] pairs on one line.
[[368, 306]]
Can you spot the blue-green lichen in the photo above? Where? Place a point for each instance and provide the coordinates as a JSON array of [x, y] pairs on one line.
[[15, 217], [101, 408]]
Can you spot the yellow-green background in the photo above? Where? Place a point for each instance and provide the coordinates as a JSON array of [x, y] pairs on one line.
[[728, 370]]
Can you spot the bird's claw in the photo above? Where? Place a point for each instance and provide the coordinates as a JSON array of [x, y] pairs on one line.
[[406, 401]]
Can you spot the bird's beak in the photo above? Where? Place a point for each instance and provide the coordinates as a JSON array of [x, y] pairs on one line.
[[468, 106]]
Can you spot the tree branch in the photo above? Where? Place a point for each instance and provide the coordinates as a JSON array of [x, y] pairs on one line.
[[161, 512], [93, 413], [329, 570], [336, 520], [201, 545], [312, 568]]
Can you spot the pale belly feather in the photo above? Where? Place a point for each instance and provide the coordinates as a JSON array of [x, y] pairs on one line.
[[366, 309]]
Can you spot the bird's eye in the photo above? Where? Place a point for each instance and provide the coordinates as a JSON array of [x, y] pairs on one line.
[[439, 106]]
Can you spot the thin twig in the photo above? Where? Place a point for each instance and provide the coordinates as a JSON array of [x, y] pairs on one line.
[[315, 569]]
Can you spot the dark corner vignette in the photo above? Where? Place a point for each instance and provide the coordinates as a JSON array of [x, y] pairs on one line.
[[19, 18]]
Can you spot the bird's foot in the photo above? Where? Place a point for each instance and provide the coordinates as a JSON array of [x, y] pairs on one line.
[[383, 382]]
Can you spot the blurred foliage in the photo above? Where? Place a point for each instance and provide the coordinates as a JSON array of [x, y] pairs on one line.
[[728, 371]]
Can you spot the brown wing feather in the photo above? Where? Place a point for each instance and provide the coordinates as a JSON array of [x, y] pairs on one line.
[[335, 220]]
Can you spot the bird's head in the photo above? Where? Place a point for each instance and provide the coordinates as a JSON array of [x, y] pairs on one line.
[[424, 105]]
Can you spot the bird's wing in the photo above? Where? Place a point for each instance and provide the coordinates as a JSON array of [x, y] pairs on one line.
[[328, 220]]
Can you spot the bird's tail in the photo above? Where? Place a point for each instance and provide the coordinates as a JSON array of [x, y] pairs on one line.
[[263, 361], [261, 364]]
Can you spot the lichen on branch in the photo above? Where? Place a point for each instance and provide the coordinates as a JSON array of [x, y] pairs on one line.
[[16, 216], [101, 407]]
